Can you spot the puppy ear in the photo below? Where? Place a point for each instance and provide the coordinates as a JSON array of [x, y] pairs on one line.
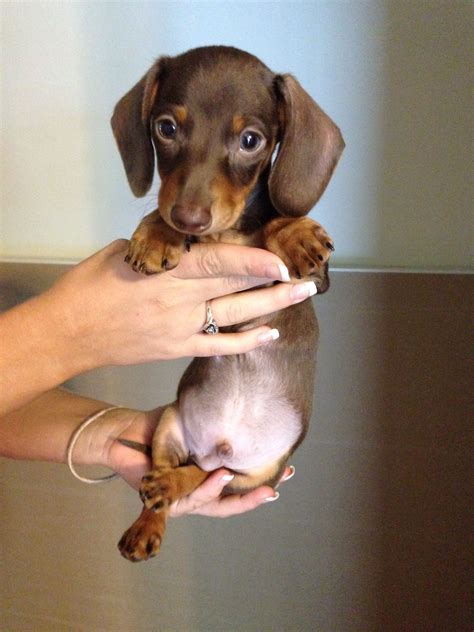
[[131, 127], [310, 147]]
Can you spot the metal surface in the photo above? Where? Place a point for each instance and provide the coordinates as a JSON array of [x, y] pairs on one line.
[[371, 534]]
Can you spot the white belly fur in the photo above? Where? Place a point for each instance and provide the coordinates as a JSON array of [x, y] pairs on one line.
[[247, 411]]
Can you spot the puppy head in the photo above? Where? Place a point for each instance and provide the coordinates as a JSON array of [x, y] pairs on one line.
[[214, 116]]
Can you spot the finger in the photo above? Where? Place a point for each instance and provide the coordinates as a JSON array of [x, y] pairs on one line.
[[200, 290], [206, 345], [206, 499], [221, 260], [206, 493], [239, 503], [287, 474], [239, 308], [235, 504]]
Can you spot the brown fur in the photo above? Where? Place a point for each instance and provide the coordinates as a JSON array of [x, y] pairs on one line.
[[214, 101]]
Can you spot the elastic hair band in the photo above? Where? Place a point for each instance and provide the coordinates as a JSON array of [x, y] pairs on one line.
[[72, 443]]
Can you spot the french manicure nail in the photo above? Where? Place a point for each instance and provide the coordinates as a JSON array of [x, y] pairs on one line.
[[300, 291], [290, 475], [228, 477], [284, 273], [279, 271], [268, 336], [271, 499]]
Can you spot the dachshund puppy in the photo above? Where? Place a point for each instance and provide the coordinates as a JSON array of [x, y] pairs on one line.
[[215, 117]]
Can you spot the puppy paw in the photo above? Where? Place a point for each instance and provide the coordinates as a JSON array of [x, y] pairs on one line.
[[162, 487], [303, 245], [142, 540], [155, 246], [157, 490]]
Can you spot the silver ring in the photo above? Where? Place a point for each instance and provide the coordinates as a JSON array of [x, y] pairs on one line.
[[210, 326]]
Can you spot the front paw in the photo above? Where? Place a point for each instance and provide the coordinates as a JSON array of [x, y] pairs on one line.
[[155, 246], [302, 244]]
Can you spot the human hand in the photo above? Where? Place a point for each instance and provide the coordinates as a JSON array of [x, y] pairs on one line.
[[132, 465], [109, 314]]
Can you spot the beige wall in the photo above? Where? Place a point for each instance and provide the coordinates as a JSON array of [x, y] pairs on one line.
[[393, 75]]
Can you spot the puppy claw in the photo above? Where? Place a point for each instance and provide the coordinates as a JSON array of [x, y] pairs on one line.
[[303, 245], [142, 540], [155, 246]]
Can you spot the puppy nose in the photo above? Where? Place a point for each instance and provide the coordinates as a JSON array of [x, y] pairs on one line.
[[190, 219]]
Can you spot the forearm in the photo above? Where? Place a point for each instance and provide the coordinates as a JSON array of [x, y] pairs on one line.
[[41, 429], [37, 351]]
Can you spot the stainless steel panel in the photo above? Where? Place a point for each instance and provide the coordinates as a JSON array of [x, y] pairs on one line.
[[371, 534]]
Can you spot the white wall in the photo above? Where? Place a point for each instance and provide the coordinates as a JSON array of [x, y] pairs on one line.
[[393, 75]]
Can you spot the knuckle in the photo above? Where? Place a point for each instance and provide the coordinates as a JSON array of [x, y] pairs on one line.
[[237, 283], [210, 263], [235, 313], [119, 243], [215, 348]]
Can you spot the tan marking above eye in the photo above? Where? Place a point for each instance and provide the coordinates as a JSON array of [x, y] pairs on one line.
[[238, 123], [181, 114]]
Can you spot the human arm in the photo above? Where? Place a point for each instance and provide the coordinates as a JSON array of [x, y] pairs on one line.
[[101, 313], [41, 430]]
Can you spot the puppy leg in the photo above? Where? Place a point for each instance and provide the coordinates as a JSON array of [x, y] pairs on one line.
[[168, 481], [303, 245], [155, 246]]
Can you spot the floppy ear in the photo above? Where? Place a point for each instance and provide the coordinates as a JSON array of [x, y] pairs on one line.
[[131, 127], [310, 147]]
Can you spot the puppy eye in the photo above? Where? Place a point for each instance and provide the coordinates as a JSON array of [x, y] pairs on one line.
[[166, 128], [250, 141]]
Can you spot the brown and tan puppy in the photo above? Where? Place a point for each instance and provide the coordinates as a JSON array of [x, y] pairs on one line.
[[215, 116]]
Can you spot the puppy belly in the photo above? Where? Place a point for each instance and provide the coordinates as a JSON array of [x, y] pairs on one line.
[[238, 425]]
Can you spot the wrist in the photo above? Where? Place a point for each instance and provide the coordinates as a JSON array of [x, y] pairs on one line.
[[98, 433], [96, 441]]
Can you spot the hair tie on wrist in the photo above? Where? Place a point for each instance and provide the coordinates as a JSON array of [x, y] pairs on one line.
[[72, 443]]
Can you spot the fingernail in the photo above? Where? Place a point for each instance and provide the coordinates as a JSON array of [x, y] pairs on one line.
[[268, 336], [284, 273], [290, 475], [228, 477], [279, 271], [271, 499], [300, 291]]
